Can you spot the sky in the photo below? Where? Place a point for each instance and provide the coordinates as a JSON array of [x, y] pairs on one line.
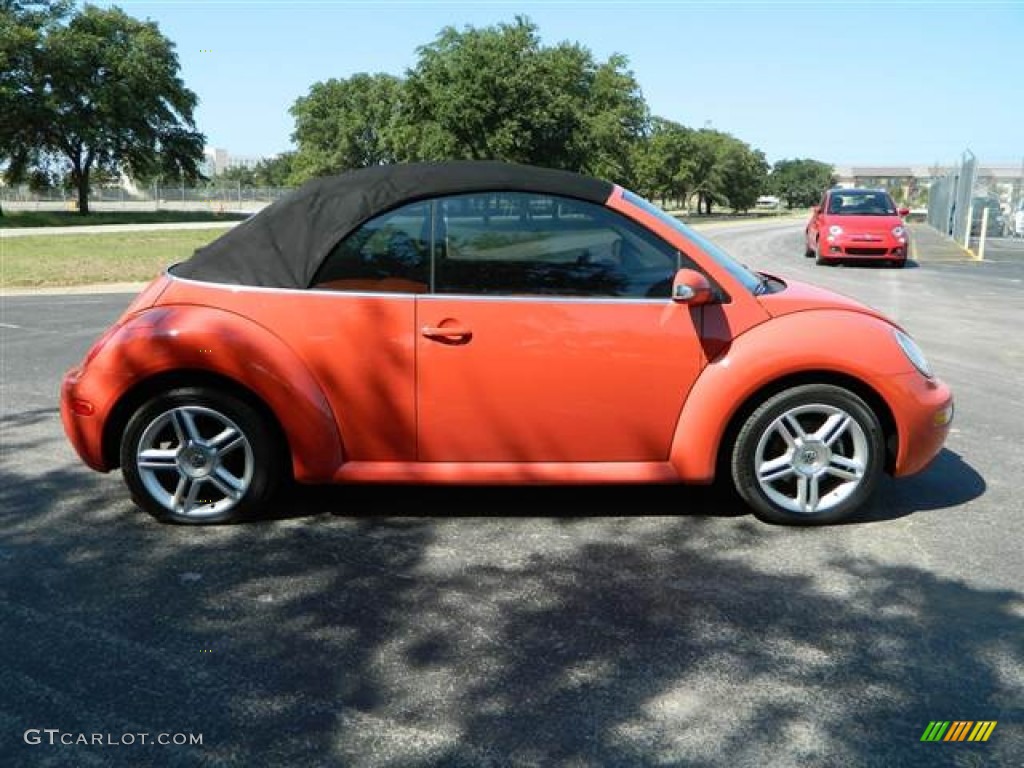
[[849, 83]]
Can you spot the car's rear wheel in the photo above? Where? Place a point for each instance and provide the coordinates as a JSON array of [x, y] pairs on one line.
[[812, 252], [809, 455], [196, 455]]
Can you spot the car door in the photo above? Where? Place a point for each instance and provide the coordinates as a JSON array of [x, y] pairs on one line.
[[549, 335]]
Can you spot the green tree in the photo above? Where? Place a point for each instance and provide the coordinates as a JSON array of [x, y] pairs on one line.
[[275, 171], [614, 118], [678, 163], [706, 149], [22, 28], [483, 94], [714, 166], [801, 182], [344, 124], [741, 175], [238, 174], [663, 161], [101, 92], [497, 93], [268, 172]]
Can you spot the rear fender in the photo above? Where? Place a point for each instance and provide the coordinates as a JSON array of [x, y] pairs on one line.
[[166, 339]]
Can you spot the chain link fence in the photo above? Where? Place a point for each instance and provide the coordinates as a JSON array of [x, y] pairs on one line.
[[949, 198], [153, 198], [975, 199]]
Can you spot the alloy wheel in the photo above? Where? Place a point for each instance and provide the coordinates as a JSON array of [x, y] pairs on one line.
[[195, 462], [811, 458]]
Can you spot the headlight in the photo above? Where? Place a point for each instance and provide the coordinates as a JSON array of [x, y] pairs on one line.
[[913, 353], [898, 231], [835, 229]]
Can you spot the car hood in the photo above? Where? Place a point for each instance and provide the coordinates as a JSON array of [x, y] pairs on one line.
[[878, 224], [803, 297]]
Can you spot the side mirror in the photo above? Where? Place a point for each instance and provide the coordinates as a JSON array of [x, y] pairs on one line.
[[904, 211], [691, 287]]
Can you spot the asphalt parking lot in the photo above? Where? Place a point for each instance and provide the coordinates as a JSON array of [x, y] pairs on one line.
[[356, 628], [1001, 249]]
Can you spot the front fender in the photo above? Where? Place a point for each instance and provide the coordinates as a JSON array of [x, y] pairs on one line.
[[192, 338], [849, 343]]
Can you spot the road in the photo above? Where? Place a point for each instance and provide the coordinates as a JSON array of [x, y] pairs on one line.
[[354, 628]]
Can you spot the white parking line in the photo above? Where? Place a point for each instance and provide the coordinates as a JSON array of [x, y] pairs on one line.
[[10, 325]]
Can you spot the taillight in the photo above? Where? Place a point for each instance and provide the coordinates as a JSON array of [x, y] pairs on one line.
[[82, 407]]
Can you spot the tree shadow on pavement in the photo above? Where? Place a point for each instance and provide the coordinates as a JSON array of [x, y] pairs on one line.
[[524, 631], [696, 658]]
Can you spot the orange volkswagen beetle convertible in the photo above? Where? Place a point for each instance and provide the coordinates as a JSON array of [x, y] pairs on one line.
[[485, 323]]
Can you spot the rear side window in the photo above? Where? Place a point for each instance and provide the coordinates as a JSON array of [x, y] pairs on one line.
[[390, 253]]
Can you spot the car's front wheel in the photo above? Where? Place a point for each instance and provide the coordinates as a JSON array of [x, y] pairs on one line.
[[196, 455], [816, 254], [809, 455], [808, 250]]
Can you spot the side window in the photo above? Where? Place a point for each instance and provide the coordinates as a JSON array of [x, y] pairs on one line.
[[388, 254], [518, 244]]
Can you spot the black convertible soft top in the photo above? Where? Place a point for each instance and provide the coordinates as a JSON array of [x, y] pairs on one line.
[[284, 244]]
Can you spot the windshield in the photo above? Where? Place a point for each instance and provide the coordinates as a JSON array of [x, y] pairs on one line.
[[751, 280], [854, 203]]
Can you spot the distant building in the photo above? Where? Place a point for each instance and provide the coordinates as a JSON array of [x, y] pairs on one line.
[[910, 183], [243, 161], [217, 160]]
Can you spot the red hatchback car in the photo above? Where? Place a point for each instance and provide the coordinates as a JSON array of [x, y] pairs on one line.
[[857, 225], [492, 323]]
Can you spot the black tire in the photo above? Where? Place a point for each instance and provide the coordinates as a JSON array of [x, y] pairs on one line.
[[816, 253], [808, 252], [807, 464], [216, 481], [899, 263]]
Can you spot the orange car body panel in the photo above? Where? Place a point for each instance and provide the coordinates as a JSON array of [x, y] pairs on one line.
[[508, 472], [357, 348], [799, 343], [549, 380], [168, 338], [543, 390]]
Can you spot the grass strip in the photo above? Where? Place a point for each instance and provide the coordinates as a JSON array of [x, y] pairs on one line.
[[23, 219], [58, 260]]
